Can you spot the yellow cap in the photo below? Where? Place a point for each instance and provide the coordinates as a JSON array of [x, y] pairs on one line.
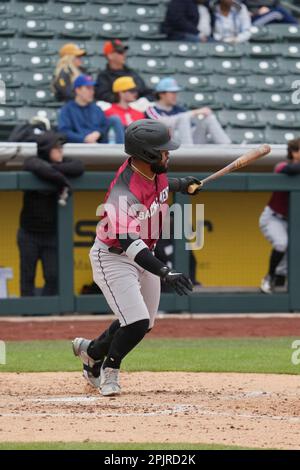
[[123, 84], [71, 49]]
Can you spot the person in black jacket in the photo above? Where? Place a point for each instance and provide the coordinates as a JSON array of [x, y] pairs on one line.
[[37, 238], [182, 20], [115, 52]]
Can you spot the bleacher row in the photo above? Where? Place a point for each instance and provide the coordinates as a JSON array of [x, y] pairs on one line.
[[250, 86]]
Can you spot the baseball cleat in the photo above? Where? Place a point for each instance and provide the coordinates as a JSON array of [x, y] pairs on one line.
[[91, 368], [267, 285], [110, 382]]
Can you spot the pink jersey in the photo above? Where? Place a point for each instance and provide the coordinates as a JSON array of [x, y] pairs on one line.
[[133, 204], [279, 201]]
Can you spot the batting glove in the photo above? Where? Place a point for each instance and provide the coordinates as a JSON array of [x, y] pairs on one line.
[[179, 281], [186, 182]]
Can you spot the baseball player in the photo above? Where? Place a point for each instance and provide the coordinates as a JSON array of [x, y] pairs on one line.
[[122, 257], [273, 221]]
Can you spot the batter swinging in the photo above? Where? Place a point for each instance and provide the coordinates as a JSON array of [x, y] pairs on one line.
[[122, 259]]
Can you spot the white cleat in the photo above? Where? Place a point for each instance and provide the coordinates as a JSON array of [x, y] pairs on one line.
[[110, 382], [91, 368], [267, 285]]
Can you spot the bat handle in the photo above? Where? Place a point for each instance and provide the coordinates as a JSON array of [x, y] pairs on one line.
[[192, 188]]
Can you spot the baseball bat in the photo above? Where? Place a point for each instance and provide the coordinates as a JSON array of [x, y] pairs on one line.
[[239, 162]]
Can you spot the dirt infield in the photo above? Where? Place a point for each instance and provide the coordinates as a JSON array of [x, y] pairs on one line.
[[234, 327], [239, 409]]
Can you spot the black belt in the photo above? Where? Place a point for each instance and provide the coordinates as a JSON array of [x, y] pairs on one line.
[[115, 250]]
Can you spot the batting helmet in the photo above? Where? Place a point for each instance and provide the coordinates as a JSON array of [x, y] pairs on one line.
[[145, 139]]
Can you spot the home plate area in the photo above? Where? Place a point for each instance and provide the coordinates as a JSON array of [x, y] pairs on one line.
[[253, 410]]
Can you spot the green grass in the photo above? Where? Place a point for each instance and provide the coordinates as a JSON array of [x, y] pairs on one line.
[[272, 355], [110, 446]]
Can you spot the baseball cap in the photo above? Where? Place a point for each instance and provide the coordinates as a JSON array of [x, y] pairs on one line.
[[71, 49], [167, 84], [123, 84], [115, 45], [83, 80]]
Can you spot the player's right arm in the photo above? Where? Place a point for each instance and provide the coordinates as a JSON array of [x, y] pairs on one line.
[[138, 251]]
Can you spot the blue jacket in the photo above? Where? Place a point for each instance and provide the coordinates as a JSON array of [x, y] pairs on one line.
[[76, 122], [182, 17]]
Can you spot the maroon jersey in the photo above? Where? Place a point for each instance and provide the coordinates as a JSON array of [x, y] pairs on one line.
[[279, 201], [135, 205]]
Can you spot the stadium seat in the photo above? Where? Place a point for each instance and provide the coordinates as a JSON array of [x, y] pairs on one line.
[[14, 97], [109, 2], [34, 62], [184, 49], [37, 79], [151, 79], [194, 82], [29, 10], [7, 62], [281, 136], [283, 119], [289, 32], [8, 116], [199, 99], [71, 1], [236, 100], [6, 45], [93, 64], [226, 66], [7, 27], [5, 10], [109, 29], [105, 12], [240, 118], [191, 66], [223, 50], [274, 100], [11, 79], [260, 50], [68, 12], [147, 48], [246, 135], [287, 50], [146, 30], [263, 34], [35, 27], [150, 64], [267, 82], [230, 82], [291, 66], [149, 2], [25, 113], [145, 13], [261, 66], [72, 29], [32, 46], [40, 97]]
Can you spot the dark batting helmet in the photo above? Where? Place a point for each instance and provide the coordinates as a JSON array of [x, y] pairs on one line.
[[146, 138]]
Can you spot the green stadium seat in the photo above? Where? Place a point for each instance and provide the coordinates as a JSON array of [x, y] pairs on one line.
[[40, 97], [8, 116], [71, 29], [7, 27], [71, 1], [37, 79], [260, 50], [67, 12], [93, 64], [184, 49], [35, 27], [191, 66], [290, 82], [29, 10], [152, 79], [280, 119], [14, 97], [223, 50], [147, 48], [109, 29], [236, 100], [246, 135], [291, 66], [240, 118], [145, 13], [11, 79], [6, 45], [264, 66], [198, 99], [108, 2], [230, 82], [146, 30], [105, 12], [226, 66], [150, 64], [280, 136], [274, 100], [149, 2], [267, 82], [25, 113], [263, 34], [196, 83], [287, 50], [32, 46], [289, 32], [8, 63], [5, 10], [34, 62]]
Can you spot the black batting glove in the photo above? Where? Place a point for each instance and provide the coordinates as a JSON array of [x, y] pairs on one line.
[[178, 281], [186, 182]]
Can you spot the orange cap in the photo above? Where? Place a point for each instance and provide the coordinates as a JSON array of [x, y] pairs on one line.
[[71, 49], [115, 45]]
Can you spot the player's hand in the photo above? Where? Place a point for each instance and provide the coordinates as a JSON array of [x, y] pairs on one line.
[[186, 182], [179, 281], [92, 138]]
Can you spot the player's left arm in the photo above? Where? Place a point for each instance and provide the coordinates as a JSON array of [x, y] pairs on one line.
[[181, 185]]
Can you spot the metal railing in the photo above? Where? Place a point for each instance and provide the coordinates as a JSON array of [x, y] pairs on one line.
[[67, 301]]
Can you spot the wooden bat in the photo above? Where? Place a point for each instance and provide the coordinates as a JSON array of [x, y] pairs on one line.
[[239, 162]]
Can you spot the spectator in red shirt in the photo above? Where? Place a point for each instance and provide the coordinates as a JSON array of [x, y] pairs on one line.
[[273, 221], [125, 91]]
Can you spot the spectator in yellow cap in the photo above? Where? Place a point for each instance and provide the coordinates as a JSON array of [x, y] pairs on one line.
[[125, 91], [115, 52], [68, 68]]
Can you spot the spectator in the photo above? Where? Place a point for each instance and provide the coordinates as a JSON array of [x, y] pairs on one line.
[[115, 53], [68, 68], [199, 126], [82, 121], [38, 223], [265, 12], [232, 22], [126, 92], [273, 221]]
